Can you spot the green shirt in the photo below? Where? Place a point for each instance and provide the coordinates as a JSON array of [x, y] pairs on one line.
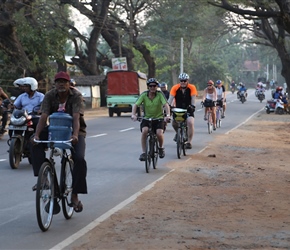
[[152, 108]]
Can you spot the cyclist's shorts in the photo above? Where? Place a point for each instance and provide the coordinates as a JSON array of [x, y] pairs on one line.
[[158, 124], [209, 103]]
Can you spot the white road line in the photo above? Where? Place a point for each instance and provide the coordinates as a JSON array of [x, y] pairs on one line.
[[2, 159], [105, 216], [244, 121], [127, 129], [93, 136]]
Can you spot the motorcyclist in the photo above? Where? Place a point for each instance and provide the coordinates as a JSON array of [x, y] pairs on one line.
[[30, 98], [279, 95], [242, 87], [233, 86]]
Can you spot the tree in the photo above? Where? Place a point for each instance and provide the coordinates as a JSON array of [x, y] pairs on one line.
[[269, 21]]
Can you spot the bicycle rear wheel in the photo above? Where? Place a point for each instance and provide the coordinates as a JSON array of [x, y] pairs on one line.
[[147, 155], [154, 153], [178, 143], [66, 180], [44, 196]]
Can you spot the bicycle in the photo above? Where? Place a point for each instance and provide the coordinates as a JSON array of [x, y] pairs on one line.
[[180, 116], [208, 118], [219, 112], [152, 148], [49, 192]]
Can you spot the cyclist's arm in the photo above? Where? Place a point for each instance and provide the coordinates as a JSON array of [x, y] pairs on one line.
[[134, 110], [170, 100], [193, 97], [167, 109], [40, 125]]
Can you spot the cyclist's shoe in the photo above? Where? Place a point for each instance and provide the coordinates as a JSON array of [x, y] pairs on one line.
[[223, 116], [142, 157], [161, 153], [175, 138], [188, 145], [214, 127], [56, 207], [205, 118]]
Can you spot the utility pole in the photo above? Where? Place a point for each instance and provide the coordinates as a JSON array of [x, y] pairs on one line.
[[181, 55]]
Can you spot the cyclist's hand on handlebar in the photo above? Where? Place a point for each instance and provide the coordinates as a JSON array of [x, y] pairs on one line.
[[134, 118], [167, 119], [191, 109], [33, 138], [74, 139]]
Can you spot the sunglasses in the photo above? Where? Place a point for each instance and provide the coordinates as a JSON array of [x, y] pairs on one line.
[[183, 80], [152, 86]]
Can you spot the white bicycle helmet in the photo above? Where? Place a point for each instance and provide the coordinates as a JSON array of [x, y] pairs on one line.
[[183, 76], [26, 81]]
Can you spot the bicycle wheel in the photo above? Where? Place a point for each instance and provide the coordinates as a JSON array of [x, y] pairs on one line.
[[154, 153], [218, 117], [44, 196], [183, 140], [147, 155], [209, 123], [66, 180], [15, 153], [178, 143]]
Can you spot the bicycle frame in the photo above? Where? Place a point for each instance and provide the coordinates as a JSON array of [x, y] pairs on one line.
[[152, 147], [180, 116], [49, 190]]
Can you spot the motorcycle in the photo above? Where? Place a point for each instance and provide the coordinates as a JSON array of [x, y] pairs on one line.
[[275, 105], [21, 128], [260, 95], [242, 96], [233, 89]]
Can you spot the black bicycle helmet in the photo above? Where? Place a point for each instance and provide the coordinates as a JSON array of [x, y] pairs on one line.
[[152, 80]]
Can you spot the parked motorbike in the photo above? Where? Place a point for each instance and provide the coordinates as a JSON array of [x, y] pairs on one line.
[[275, 105], [21, 128], [242, 96]]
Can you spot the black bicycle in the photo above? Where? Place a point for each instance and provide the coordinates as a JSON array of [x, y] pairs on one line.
[[180, 116], [49, 192], [152, 148]]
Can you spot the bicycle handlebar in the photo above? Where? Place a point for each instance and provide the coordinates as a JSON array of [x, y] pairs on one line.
[[64, 142]]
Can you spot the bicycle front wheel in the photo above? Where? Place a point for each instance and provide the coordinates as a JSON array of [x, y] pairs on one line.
[[66, 180], [178, 143], [154, 153], [209, 123], [44, 196], [148, 156]]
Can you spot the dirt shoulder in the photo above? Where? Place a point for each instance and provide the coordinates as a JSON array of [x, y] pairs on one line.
[[233, 195]]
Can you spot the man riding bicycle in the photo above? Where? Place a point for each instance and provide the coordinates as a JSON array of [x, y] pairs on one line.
[[184, 95], [153, 102], [209, 101]]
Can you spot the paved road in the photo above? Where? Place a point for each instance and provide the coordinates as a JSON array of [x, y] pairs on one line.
[[114, 174]]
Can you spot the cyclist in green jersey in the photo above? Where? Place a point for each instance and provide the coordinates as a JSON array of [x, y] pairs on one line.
[[153, 102]]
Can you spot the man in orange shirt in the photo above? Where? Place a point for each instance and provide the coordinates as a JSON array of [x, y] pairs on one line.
[[183, 95]]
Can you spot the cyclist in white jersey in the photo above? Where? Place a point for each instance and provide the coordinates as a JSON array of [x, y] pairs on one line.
[[221, 96], [209, 101]]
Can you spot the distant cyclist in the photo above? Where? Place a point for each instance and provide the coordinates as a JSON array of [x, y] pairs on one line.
[[183, 95], [209, 101], [221, 96]]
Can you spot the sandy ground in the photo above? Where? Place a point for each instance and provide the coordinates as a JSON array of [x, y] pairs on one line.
[[233, 195]]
